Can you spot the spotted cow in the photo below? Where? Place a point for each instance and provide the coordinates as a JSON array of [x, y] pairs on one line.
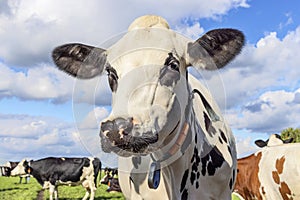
[[272, 172], [51, 172], [167, 130], [111, 180], [9, 166]]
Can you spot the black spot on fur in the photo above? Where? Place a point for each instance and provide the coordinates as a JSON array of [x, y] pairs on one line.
[[229, 150], [220, 140], [208, 125], [195, 166], [184, 180], [233, 174], [197, 185], [223, 136], [230, 184], [208, 108], [193, 177], [232, 179], [184, 195], [211, 162]]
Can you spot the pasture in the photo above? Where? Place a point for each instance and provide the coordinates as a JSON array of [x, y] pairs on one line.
[[11, 189]]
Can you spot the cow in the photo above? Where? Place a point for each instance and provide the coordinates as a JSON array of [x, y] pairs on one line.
[[9, 166], [168, 132], [5, 171], [51, 172], [113, 185], [108, 174], [110, 180], [273, 172]]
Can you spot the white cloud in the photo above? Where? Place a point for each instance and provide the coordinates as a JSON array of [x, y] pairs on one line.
[[269, 64], [42, 82], [37, 137], [272, 112], [245, 146], [93, 118], [31, 29], [192, 31]]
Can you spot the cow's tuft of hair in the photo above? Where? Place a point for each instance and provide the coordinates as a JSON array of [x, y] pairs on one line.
[[148, 21]]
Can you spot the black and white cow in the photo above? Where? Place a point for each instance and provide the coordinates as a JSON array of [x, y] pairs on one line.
[[111, 180], [51, 172], [8, 167], [4, 171], [169, 133]]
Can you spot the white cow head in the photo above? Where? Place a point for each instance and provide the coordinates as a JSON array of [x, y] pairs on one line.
[[147, 74], [273, 140], [20, 168]]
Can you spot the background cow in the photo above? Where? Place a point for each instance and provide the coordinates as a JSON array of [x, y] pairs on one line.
[[165, 126], [8, 167], [111, 180], [272, 172], [51, 172], [5, 171]]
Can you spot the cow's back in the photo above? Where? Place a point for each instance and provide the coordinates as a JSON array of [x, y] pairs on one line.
[[60, 170], [279, 171]]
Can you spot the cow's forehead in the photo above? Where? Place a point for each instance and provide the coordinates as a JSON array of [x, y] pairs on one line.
[[154, 43]]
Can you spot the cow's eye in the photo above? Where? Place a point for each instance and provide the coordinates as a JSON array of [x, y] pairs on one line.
[[174, 65], [112, 78], [169, 74]]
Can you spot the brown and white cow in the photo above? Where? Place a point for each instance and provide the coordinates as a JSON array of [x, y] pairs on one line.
[[169, 133], [272, 173]]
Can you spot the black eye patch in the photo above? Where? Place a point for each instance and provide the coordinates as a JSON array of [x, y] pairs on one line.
[[169, 74]]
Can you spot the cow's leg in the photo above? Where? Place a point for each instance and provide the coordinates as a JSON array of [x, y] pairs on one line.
[[55, 193], [87, 193], [92, 190], [20, 180], [85, 184], [51, 191]]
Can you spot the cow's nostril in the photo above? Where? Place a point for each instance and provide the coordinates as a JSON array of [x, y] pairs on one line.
[[118, 125], [107, 126]]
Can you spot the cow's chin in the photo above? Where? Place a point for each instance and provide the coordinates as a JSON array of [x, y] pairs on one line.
[[129, 145]]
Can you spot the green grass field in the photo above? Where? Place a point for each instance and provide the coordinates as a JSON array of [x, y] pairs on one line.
[[10, 189]]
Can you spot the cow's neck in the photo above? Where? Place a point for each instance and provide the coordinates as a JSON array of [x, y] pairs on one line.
[[171, 169], [166, 162]]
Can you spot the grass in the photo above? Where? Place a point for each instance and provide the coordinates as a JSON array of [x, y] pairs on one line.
[[234, 197], [10, 189]]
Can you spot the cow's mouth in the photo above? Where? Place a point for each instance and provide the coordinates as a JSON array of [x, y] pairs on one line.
[[124, 144], [127, 144]]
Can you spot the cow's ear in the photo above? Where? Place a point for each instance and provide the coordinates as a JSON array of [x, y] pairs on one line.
[[260, 143], [25, 163], [215, 48], [79, 60]]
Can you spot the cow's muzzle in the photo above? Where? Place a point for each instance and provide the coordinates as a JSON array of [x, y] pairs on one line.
[[122, 137]]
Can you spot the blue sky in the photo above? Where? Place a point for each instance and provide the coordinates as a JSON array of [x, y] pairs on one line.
[[43, 112]]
